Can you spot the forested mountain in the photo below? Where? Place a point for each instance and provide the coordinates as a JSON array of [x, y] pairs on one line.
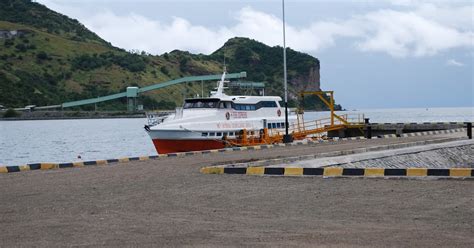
[[47, 58]]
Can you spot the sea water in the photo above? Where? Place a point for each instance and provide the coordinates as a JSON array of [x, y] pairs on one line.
[[24, 142]]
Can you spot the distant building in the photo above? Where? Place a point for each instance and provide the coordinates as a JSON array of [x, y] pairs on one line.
[[30, 108], [7, 34]]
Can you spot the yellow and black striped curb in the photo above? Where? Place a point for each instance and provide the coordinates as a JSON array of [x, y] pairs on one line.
[[341, 172], [418, 123], [422, 133], [51, 166], [433, 132]]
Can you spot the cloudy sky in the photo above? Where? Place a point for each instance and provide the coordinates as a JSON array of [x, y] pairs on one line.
[[374, 54]]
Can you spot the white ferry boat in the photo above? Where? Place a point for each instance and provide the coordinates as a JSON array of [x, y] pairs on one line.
[[206, 123]]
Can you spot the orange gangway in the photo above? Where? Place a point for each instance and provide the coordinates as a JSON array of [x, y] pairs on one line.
[[314, 129]]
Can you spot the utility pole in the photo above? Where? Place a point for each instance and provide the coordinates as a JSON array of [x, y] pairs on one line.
[[287, 138]]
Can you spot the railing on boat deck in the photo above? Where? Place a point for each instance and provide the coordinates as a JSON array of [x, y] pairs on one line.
[[156, 117], [302, 128], [299, 130]]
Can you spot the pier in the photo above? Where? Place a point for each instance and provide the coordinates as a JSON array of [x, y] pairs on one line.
[[380, 129], [167, 201]]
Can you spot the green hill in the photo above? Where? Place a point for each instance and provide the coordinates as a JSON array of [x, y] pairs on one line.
[[265, 63], [38, 16], [47, 58]]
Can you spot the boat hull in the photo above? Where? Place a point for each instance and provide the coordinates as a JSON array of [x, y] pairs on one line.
[[164, 146]]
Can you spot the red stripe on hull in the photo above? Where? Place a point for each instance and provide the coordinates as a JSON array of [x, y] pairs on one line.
[[164, 146]]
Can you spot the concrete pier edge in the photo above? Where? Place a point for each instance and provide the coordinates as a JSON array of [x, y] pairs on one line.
[[329, 172], [50, 166]]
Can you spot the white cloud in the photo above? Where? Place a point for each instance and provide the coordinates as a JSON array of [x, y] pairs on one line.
[[139, 33], [453, 62], [402, 34], [458, 17], [136, 32], [419, 29]]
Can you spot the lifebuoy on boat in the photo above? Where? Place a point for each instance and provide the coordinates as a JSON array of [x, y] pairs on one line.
[[227, 115], [279, 113]]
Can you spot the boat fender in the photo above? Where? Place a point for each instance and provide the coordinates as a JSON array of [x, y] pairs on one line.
[[147, 128]]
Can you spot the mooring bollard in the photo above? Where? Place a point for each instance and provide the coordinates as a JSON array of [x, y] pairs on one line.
[[368, 129], [469, 130]]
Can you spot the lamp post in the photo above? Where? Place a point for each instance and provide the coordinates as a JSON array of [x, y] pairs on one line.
[[286, 138]]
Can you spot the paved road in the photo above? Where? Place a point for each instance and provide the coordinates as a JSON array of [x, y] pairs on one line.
[[169, 203]]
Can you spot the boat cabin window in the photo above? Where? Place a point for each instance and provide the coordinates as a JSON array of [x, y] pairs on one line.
[[268, 104], [276, 125], [225, 105], [200, 103], [246, 107], [259, 105], [216, 103]]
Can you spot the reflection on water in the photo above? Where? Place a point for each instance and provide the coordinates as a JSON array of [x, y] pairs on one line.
[[64, 140]]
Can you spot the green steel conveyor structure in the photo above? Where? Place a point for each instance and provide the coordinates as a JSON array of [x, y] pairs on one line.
[[132, 92]]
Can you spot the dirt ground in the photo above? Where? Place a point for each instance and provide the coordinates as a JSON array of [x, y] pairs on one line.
[[167, 202]]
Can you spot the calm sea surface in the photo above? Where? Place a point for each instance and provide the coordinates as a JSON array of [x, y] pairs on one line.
[[24, 142]]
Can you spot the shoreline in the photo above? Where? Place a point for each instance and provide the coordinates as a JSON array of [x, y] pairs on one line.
[[73, 115], [71, 118]]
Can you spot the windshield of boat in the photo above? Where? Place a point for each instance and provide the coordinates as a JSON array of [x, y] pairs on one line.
[[201, 103]]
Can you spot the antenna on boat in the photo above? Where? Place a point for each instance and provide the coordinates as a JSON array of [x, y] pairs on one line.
[[224, 57], [220, 88]]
